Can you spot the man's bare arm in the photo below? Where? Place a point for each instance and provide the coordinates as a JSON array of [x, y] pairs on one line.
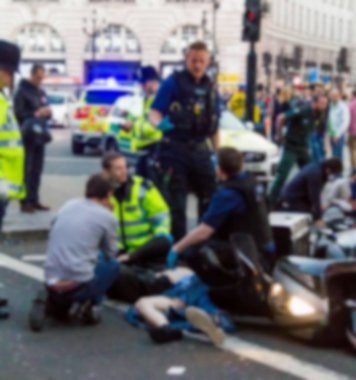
[[215, 140], [198, 235]]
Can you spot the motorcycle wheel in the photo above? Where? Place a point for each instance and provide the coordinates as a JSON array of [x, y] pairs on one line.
[[351, 330], [351, 337]]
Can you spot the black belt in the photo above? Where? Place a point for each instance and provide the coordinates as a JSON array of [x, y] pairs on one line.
[[195, 145]]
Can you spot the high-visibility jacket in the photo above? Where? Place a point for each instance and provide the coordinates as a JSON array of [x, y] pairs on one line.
[[237, 105], [142, 215], [12, 155], [142, 134]]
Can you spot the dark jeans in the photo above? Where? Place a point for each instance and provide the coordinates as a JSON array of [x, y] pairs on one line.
[[34, 160], [317, 146], [290, 157], [3, 205], [185, 169], [106, 273]]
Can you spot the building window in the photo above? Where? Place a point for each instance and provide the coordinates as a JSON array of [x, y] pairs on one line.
[[115, 39], [182, 37], [188, 1], [35, 1], [112, 1], [40, 38]]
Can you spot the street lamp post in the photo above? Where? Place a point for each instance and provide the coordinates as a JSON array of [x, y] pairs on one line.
[[215, 8], [92, 28]]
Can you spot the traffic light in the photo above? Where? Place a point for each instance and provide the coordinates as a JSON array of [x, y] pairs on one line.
[[342, 61], [298, 57], [252, 21]]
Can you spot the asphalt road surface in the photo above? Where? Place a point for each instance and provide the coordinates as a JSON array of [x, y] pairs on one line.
[[115, 350]]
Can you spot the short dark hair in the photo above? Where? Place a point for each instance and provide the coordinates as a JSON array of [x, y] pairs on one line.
[[98, 187], [109, 158], [198, 46], [334, 165], [230, 161], [354, 93], [37, 67]]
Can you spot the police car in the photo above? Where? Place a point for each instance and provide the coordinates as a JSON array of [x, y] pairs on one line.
[[261, 156], [91, 120]]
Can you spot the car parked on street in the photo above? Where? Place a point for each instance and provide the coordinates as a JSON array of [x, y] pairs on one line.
[[261, 156], [62, 106]]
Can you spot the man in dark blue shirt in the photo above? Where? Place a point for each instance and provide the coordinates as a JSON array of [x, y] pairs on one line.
[[303, 192], [237, 207], [186, 109]]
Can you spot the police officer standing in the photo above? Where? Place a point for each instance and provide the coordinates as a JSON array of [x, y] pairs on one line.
[[11, 148], [137, 134], [301, 120], [186, 109]]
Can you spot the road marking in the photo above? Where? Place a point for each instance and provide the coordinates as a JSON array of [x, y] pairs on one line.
[[277, 360], [176, 371], [34, 258], [280, 361], [29, 270]]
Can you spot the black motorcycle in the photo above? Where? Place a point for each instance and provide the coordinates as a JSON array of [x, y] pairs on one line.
[[310, 298]]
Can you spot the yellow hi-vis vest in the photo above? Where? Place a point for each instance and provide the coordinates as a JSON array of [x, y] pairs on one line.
[[142, 215], [143, 133], [12, 154]]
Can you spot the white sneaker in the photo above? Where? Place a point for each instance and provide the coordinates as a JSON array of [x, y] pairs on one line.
[[203, 322]]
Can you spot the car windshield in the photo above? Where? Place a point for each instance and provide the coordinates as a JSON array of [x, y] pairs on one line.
[[56, 99], [104, 97], [230, 122]]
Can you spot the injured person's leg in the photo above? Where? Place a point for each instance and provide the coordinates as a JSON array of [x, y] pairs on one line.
[[153, 310], [203, 322]]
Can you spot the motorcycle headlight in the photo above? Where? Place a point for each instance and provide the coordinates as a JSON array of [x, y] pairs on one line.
[[285, 303], [300, 308]]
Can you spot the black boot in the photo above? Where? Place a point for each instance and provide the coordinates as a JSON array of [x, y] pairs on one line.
[[165, 334], [38, 311], [4, 311]]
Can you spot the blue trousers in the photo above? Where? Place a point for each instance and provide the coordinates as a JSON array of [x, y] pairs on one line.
[[338, 147], [106, 272], [317, 146]]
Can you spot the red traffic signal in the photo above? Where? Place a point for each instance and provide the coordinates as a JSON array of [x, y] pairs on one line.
[[251, 16]]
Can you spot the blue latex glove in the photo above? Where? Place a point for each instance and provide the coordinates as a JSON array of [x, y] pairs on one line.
[[165, 125], [166, 236], [214, 160], [172, 259]]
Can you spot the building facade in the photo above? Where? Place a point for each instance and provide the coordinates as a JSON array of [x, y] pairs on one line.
[[59, 33], [304, 39]]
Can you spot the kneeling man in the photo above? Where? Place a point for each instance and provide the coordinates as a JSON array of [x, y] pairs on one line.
[[80, 265]]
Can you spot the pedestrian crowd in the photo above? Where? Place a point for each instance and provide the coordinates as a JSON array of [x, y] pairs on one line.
[[128, 237]]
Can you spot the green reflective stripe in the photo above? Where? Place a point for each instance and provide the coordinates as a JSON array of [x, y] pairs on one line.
[[130, 208], [134, 223], [14, 187], [125, 143], [160, 216], [10, 143], [137, 235]]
